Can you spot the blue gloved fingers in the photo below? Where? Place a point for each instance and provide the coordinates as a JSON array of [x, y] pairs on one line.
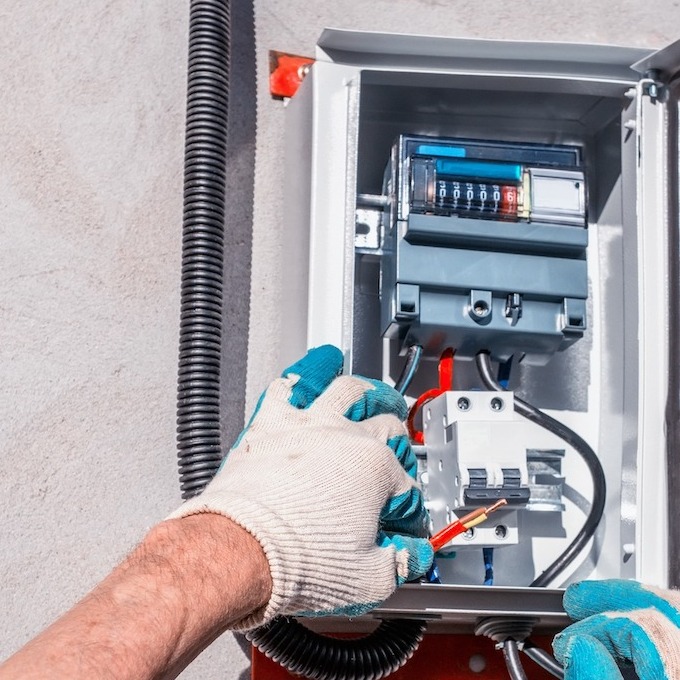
[[413, 556], [389, 429], [405, 514], [360, 398], [584, 658], [594, 597], [628, 637], [313, 374], [401, 446], [381, 399]]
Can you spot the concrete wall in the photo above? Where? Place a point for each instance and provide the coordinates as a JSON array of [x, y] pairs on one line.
[[91, 133]]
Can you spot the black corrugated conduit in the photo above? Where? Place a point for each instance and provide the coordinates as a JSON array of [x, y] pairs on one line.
[[200, 342], [198, 393], [305, 653]]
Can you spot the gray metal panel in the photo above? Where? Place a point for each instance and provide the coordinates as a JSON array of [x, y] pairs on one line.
[[521, 236], [543, 277], [467, 603], [457, 609], [370, 49], [665, 60], [444, 322]]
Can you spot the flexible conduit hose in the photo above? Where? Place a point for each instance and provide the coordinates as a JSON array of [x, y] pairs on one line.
[[200, 342], [303, 652], [198, 392]]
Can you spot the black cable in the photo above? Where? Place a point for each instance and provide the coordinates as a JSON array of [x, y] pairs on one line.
[[543, 658], [582, 448], [512, 661], [413, 356], [506, 632]]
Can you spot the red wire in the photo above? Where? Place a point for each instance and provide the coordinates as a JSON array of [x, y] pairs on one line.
[[445, 371]]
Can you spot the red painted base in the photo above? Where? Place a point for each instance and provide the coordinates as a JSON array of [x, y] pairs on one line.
[[439, 657]]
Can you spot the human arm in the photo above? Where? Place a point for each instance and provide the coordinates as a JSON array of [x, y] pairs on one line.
[[176, 592], [322, 482]]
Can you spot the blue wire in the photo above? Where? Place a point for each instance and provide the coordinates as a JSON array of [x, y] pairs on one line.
[[487, 554], [415, 353], [504, 369], [432, 575]]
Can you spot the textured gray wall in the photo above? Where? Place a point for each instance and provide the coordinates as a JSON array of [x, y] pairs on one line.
[[91, 129]]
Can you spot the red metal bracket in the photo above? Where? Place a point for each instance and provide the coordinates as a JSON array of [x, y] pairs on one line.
[[286, 73], [439, 657]]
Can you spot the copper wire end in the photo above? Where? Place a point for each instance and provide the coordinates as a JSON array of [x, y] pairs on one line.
[[496, 506]]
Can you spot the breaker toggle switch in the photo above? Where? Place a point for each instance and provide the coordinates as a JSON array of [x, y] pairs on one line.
[[511, 490]]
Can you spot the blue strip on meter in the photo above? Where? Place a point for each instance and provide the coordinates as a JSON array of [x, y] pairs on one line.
[[479, 169], [440, 150]]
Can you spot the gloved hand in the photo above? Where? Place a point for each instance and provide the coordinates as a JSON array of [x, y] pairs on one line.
[[620, 621], [324, 477]]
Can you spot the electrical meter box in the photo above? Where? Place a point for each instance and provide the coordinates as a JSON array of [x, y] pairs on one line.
[[517, 199]]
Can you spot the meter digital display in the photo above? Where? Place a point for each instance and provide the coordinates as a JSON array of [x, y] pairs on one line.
[[550, 187]]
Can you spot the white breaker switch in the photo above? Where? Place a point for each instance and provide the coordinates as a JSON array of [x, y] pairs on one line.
[[478, 451]]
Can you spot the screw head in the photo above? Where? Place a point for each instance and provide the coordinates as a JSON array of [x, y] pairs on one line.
[[480, 308], [463, 404], [497, 404]]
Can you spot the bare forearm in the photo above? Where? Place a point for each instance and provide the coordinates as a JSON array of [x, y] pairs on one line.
[[181, 588]]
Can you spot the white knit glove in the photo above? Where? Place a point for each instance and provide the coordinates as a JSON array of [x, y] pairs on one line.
[[323, 477], [620, 623]]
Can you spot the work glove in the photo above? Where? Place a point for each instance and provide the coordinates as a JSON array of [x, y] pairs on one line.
[[620, 621], [323, 477]]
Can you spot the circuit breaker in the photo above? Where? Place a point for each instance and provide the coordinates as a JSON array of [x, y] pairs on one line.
[[515, 202]]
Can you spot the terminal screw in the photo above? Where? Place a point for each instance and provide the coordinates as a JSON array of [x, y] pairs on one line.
[[497, 404]]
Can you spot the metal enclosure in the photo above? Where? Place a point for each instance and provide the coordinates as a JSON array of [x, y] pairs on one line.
[[612, 386]]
